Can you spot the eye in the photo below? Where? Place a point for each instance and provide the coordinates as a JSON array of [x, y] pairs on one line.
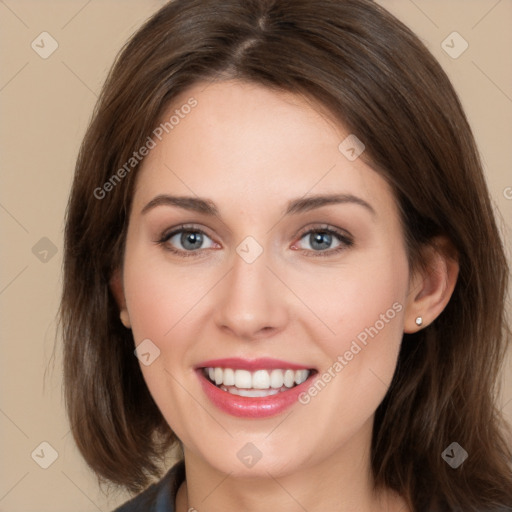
[[325, 241], [186, 241], [190, 241]]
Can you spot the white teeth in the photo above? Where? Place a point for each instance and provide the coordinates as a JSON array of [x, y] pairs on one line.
[[277, 378], [301, 376], [242, 378], [251, 392], [272, 380], [260, 379], [229, 377], [289, 378]]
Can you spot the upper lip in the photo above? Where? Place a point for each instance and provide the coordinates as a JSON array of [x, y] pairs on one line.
[[261, 363]]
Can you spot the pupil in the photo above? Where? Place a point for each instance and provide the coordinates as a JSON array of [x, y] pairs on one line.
[[322, 239], [191, 240]]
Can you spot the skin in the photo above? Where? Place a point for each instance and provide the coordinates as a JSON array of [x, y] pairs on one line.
[[250, 150]]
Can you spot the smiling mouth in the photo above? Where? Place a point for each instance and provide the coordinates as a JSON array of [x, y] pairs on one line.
[[259, 383]]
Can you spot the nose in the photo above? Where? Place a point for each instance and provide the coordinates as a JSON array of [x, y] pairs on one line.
[[253, 303]]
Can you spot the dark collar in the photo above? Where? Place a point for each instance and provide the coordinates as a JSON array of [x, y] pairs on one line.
[[158, 497]]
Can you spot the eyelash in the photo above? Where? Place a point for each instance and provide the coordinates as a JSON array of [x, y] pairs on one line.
[[345, 240], [180, 229]]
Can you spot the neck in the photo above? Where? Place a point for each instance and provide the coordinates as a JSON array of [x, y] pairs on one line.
[[341, 482]]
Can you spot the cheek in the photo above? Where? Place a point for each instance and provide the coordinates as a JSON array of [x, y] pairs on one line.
[[158, 295], [364, 309], [360, 302], [160, 300], [371, 318]]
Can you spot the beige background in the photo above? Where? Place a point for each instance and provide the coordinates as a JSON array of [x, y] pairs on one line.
[[45, 105]]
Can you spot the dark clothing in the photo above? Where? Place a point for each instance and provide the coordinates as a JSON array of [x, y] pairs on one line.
[[158, 497]]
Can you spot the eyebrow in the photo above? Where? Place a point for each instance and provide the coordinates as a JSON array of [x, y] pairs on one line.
[[294, 206], [186, 202], [305, 204]]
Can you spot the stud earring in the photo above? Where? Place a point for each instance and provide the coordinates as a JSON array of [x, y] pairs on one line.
[[419, 321]]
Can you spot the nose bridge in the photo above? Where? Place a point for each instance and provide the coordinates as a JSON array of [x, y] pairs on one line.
[[251, 302]]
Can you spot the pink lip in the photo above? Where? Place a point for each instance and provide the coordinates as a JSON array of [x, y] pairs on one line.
[[251, 407], [263, 363]]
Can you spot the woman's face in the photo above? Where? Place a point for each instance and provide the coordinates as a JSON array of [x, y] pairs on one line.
[[299, 273]]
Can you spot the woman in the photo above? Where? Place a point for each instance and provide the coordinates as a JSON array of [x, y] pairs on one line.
[[281, 257]]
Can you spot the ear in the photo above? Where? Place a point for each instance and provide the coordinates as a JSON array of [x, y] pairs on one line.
[[431, 288], [116, 286]]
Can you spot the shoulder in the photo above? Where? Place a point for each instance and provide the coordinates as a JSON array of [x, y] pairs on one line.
[[160, 496]]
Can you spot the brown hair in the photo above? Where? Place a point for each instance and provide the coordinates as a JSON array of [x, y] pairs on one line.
[[377, 79]]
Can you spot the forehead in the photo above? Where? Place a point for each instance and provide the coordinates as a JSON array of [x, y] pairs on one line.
[[244, 144]]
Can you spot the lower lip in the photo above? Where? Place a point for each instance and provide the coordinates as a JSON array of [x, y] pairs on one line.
[[251, 407]]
